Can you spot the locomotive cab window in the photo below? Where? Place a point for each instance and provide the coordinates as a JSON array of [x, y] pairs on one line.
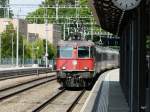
[[83, 52], [64, 52]]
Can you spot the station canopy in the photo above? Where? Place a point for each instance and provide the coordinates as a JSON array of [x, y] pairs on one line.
[[110, 17]]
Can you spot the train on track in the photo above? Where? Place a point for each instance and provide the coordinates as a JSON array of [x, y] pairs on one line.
[[78, 62]]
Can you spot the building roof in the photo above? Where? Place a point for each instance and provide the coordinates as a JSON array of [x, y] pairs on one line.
[[75, 42], [109, 17]]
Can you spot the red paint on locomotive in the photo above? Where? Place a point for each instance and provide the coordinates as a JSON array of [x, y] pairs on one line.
[[75, 64]]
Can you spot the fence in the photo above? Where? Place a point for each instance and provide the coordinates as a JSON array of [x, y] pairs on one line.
[[6, 62]]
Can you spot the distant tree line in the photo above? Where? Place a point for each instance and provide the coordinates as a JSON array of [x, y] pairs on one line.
[[34, 49], [4, 11]]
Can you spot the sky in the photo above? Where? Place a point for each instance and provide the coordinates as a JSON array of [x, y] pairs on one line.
[[24, 10]]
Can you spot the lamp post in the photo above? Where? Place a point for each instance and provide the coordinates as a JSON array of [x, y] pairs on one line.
[[17, 48], [46, 54], [46, 35]]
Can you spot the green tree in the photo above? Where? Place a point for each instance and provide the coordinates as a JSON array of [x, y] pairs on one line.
[[4, 11], [8, 38], [51, 50], [39, 48], [62, 12], [40, 12], [34, 50], [27, 49]]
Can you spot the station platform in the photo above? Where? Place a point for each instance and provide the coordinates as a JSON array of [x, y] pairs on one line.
[[18, 68], [106, 95]]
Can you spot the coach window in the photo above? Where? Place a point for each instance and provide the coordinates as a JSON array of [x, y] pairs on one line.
[[92, 52], [83, 52], [64, 52]]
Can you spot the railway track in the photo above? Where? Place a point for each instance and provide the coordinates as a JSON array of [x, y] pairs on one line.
[[4, 75], [57, 95], [75, 101], [15, 76], [14, 90], [43, 105]]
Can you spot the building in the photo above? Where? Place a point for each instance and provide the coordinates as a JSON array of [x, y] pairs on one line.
[[22, 25], [52, 32], [33, 31]]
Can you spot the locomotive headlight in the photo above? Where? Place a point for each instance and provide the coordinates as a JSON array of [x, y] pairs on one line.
[[74, 62], [86, 68], [63, 68]]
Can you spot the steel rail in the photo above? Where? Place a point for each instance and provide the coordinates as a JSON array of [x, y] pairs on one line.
[[72, 106], [34, 84], [26, 82], [51, 99], [17, 74], [43, 105]]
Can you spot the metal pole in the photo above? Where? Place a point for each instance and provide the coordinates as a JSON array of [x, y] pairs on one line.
[[64, 32], [12, 49], [100, 36], [77, 12], [32, 53], [46, 34], [4, 11], [68, 30], [91, 29], [46, 55], [23, 55], [108, 37], [84, 34], [8, 8], [56, 11], [68, 21], [17, 50]]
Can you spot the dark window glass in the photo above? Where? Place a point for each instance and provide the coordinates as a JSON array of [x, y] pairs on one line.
[[64, 52], [83, 52], [92, 52]]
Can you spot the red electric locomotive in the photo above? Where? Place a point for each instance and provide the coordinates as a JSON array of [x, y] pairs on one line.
[[75, 63]]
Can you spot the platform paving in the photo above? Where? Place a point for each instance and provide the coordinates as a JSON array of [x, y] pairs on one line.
[[17, 68], [109, 96]]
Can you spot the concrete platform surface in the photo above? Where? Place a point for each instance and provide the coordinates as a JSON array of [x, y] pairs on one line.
[[106, 95], [18, 68]]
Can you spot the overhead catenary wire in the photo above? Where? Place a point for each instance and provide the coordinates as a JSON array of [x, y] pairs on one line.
[[57, 7]]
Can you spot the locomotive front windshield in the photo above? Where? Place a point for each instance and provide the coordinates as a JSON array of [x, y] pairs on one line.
[[64, 52], [83, 52]]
